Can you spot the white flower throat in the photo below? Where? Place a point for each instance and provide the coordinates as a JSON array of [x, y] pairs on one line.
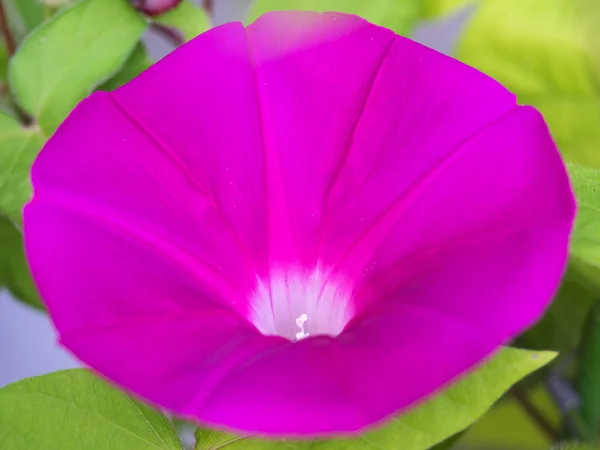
[[296, 304]]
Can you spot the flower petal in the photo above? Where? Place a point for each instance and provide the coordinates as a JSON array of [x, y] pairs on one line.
[[173, 358], [92, 272], [322, 385], [503, 205], [200, 103], [102, 178], [352, 116], [314, 75], [108, 164]]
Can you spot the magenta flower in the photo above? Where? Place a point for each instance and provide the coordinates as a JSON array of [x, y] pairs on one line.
[[302, 227]]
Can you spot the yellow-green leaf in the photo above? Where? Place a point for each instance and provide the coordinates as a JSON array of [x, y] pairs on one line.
[[542, 50], [585, 241], [397, 15], [137, 62], [187, 17], [18, 148], [14, 272], [62, 61]]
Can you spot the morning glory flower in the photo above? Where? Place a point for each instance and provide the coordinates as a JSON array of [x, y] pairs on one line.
[[303, 227]]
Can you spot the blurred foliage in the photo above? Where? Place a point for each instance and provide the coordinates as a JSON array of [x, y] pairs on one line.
[[540, 49], [508, 426], [137, 62], [400, 16], [24, 16], [588, 384], [560, 328], [187, 18], [14, 274], [19, 146], [434, 9]]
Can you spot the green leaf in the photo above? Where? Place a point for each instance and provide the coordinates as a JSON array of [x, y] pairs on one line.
[[436, 420], [18, 149], [213, 439], [66, 58], [137, 62], [187, 17], [75, 410], [542, 51], [585, 240], [434, 9], [396, 15], [14, 272], [588, 379]]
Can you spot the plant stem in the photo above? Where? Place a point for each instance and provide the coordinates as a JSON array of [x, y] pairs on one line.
[[8, 38], [23, 116], [209, 6], [534, 414], [171, 35], [568, 402], [49, 11]]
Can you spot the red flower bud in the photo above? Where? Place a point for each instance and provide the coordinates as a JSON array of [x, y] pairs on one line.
[[154, 7]]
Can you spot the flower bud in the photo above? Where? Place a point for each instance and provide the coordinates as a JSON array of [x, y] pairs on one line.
[[154, 7], [57, 3]]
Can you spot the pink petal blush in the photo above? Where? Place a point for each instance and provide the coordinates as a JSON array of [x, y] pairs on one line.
[[300, 228]]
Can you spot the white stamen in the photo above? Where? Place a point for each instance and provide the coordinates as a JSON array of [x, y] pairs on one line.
[[300, 322]]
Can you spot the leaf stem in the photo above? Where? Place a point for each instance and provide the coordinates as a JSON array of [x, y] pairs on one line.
[[534, 414], [11, 45]]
